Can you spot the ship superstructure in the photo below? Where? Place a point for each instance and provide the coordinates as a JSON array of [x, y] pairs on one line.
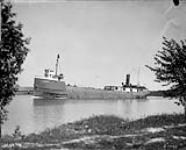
[[127, 87]]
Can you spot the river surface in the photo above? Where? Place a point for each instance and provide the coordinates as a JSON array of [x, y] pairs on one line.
[[35, 115]]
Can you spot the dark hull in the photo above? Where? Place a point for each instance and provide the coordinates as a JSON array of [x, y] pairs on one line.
[[49, 88]]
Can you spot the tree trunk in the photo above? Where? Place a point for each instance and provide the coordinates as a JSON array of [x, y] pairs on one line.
[[0, 126], [0, 130], [185, 112], [0, 41]]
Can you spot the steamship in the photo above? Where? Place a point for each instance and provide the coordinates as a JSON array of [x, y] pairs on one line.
[[51, 85]]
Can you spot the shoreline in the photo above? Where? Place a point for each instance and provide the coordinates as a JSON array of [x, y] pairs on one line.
[[108, 132]]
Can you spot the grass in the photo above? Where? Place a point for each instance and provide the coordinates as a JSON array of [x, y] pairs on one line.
[[109, 132]]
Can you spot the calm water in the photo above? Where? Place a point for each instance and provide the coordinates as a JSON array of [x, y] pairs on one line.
[[34, 115]]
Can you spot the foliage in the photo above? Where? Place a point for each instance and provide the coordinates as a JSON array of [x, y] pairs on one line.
[[170, 68], [12, 55], [176, 2]]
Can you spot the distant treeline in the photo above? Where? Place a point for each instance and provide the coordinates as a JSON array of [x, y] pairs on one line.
[[24, 90], [157, 93]]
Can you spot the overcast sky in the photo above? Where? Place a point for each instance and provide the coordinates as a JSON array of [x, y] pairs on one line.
[[99, 41]]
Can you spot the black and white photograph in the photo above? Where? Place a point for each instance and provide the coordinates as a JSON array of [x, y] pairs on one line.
[[93, 75]]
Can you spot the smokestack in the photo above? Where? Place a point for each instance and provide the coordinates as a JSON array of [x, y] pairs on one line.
[[176, 2], [127, 79]]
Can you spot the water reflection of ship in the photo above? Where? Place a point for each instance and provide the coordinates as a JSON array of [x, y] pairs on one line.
[[47, 113], [47, 102]]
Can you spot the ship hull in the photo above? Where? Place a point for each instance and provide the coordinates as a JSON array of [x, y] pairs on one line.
[[93, 93], [47, 88], [52, 89]]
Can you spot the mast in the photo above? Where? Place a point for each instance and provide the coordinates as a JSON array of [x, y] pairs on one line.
[[138, 77], [57, 62]]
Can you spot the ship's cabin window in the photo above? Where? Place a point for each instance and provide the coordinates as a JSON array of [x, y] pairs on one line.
[[46, 73], [49, 73]]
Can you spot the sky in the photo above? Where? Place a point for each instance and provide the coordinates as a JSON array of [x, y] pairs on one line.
[[99, 42]]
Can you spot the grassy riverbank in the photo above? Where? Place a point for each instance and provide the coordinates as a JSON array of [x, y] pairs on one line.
[[108, 133]]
